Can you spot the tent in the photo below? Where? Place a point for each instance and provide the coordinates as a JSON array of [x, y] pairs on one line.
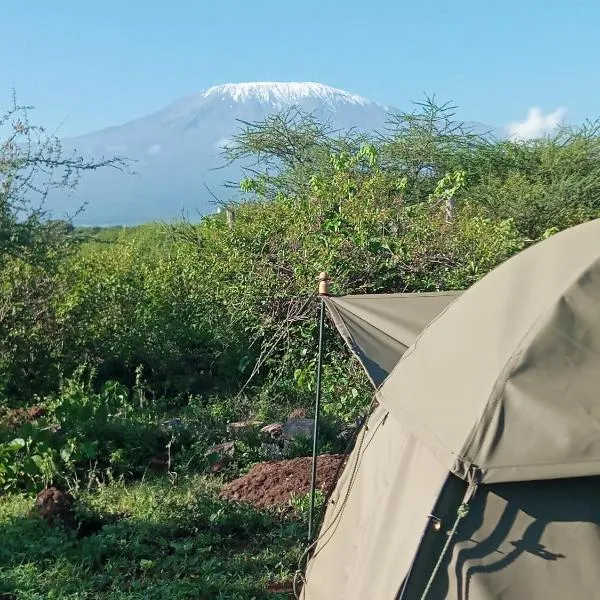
[[477, 474]]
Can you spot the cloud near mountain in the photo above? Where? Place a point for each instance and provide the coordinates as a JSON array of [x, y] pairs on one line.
[[536, 124]]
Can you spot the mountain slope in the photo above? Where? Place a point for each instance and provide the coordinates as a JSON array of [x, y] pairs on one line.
[[177, 149]]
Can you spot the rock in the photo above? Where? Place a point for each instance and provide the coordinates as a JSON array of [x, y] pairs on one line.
[[219, 464], [224, 449], [272, 451], [219, 456], [241, 427], [297, 428], [274, 430]]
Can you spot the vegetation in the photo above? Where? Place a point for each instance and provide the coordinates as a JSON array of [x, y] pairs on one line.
[[137, 346], [170, 542]]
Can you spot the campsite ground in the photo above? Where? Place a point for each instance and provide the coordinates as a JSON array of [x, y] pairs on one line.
[[160, 541], [153, 512]]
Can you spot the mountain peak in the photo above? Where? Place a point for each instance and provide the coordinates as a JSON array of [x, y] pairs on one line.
[[178, 149], [277, 92]]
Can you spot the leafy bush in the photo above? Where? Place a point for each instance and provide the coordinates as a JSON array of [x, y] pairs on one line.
[[263, 272], [227, 306], [28, 463], [86, 434], [32, 250]]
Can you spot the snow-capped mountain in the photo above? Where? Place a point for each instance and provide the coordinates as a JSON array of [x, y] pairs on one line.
[[280, 94], [178, 148]]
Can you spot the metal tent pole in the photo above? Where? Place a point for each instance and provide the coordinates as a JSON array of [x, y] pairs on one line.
[[323, 291]]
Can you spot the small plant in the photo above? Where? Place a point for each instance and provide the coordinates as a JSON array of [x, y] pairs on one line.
[[26, 463], [301, 503]]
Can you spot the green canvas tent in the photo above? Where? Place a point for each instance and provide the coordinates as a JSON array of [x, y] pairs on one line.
[[477, 475]]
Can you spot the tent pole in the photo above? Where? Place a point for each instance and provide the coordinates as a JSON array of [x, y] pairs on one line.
[[323, 291]]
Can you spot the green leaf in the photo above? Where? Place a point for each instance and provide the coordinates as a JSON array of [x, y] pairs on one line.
[[89, 449], [31, 467], [16, 444]]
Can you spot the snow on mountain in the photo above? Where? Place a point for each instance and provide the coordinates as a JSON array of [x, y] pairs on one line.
[[283, 94], [178, 149]]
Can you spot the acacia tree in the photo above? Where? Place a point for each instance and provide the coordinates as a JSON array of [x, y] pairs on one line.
[[280, 154], [375, 213], [32, 248]]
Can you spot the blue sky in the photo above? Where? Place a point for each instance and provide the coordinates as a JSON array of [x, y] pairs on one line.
[[97, 63]]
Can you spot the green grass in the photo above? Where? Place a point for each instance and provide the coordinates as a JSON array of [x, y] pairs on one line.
[[174, 542]]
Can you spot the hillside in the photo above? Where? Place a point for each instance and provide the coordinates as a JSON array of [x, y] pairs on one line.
[[178, 150]]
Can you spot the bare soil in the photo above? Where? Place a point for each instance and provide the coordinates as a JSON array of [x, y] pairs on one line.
[[18, 416], [54, 504], [274, 482], [279, 588]]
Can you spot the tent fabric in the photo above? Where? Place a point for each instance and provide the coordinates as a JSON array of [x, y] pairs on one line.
[[500, 389], [379, 328], [534, 540], [504, 386], [376, 515]]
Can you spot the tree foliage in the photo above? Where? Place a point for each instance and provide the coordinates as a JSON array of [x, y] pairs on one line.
[[32, 249], [229, 303]]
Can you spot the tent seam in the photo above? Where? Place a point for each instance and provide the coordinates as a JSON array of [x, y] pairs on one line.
[[508, 368]]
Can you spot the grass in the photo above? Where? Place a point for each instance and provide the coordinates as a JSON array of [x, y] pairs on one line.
[[171, 542]]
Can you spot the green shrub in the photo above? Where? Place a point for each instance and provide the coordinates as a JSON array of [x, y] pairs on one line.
[[227, 307], [87, 434]]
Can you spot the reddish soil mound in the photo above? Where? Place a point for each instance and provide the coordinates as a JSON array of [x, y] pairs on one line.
[[53, 503], [18, 416], [274, 482]]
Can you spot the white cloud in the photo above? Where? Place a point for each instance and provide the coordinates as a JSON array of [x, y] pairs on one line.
[[536, 124], [154, 149]]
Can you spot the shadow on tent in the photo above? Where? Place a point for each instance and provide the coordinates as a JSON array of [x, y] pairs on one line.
[[514, 527]]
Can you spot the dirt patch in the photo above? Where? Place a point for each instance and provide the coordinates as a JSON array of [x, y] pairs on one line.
[[54, 504], [19, 416], [274, 482], [281, 588]]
